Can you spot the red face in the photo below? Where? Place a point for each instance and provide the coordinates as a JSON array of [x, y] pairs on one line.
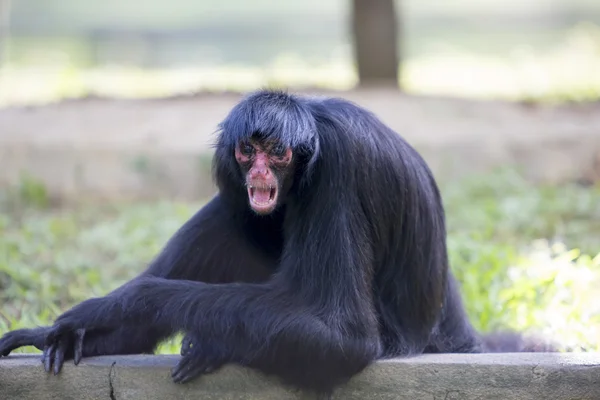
[[268, 169]]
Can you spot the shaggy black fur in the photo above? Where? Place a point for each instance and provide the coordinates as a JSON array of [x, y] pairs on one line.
[[350, 268]]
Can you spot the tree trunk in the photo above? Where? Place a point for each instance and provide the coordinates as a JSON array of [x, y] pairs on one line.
[[374, 29]]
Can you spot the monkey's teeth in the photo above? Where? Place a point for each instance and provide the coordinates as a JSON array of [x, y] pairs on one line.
[[262, 195]]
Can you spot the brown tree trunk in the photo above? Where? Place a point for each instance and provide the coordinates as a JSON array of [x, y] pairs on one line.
[[374, 30]]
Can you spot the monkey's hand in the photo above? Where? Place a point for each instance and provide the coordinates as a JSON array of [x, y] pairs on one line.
[[65, 338], [67, 348], [187, 343], [23, 337], [69, 345], [199, 357]]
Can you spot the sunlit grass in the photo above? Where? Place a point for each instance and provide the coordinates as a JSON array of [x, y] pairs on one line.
[[568, 72], [527, 257]]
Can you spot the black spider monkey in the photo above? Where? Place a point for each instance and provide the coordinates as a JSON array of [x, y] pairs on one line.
[[324, 250]]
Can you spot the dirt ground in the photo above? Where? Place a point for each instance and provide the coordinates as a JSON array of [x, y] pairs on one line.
[[168, 122], [81, 144]]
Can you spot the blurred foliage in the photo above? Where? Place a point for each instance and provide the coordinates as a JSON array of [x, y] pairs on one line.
[[565, 70], [527, 257], [28, 193]]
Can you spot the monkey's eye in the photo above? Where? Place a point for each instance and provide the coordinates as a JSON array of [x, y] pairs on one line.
[[278, 150], [246, 148]]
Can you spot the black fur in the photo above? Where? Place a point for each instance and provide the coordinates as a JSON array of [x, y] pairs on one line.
[[351, 268]]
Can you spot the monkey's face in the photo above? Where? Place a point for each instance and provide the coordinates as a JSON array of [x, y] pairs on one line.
[[268, 169]]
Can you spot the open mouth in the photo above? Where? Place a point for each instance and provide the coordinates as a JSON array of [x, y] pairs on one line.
[[262, 198]]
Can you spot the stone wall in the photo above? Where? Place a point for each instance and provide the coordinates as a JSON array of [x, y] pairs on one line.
[[437, 377]]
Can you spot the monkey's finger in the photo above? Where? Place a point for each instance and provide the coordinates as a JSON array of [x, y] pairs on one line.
[[6, 352], [59, 358], [180, 365], [192, 372], [43, 357], [49, 357], [190, 368], [78, 352], [209, 368], [186, 344], [14, 340], [6, 346], [182, 368]]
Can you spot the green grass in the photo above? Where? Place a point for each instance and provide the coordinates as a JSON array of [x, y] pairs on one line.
[[524, 255], [528, 258]]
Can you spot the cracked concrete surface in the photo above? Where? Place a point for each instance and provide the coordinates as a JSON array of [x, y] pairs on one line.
[[524, 376], [162, 148], [111, 386]]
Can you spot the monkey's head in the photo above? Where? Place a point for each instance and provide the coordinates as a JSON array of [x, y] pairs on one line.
[[266, 149], [268, 167]]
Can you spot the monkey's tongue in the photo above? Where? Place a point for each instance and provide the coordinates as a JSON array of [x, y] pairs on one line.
[[261, 196]]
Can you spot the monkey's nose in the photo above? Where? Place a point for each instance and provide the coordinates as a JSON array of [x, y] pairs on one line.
[[260, 172]]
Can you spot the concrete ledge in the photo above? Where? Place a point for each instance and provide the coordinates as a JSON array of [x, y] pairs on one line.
[[451, 376]]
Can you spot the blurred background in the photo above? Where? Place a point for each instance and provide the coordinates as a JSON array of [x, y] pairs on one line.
[[517, 49], [108, 111]]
